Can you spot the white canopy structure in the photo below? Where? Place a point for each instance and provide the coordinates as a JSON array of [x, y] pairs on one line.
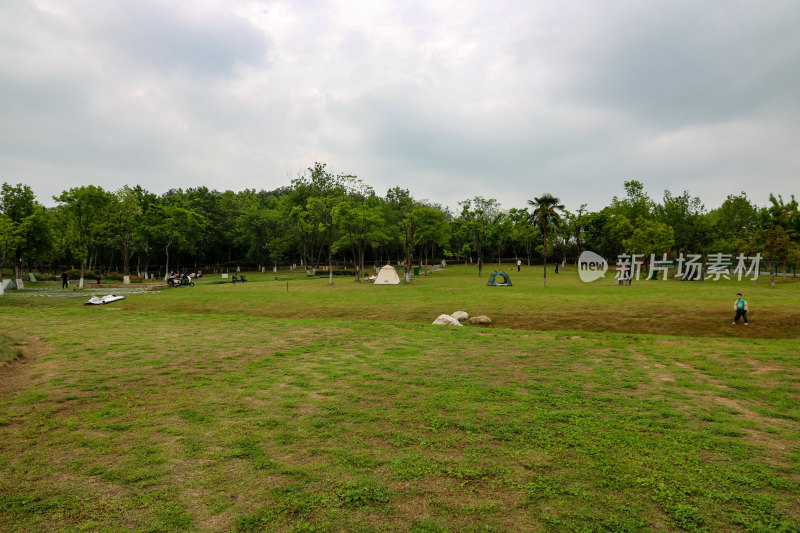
[[102, 300], [387, 276]]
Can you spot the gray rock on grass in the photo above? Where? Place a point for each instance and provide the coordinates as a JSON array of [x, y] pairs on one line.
[[481, 320], [460, 316], [446, 320]]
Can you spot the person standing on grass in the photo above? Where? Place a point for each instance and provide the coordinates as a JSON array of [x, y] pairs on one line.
[[740, 305], [64, 280], [519, 264]]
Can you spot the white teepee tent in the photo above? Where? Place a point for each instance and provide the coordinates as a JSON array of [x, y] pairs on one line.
[[387, 276]]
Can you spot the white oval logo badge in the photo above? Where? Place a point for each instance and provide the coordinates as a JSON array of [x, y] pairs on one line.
[[591, 266]]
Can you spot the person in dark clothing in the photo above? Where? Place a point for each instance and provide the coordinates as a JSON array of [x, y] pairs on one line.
[[64, 280]]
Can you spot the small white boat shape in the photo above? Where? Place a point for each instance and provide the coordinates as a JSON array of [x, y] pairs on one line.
[[102, 300]]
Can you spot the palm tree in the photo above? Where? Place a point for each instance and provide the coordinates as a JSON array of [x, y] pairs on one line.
[[545, 213]]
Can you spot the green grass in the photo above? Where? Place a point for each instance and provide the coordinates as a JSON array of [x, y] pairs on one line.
[[340, 408], [10, 348]]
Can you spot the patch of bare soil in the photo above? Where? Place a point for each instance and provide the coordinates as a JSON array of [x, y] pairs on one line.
[[777, 324], [762, 367], [15, 374], [771, 433]]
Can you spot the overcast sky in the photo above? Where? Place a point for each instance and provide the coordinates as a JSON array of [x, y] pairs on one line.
[[448, 99]]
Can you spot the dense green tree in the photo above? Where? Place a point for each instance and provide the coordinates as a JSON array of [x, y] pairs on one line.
[[264, 229], [27, 224], [596, 234], [403, 221], [687, 218], [330, 217], [125, 217], [776, 244], [777, 237], [480, 216], [577, 226], [178, 228], [85, 217], [460, 241], [144, 241], [7, 243], [521, 233], [358, 217], [563, 239], [432, 229], [731, 222], [650, 237], [785, 214], [636, 203], [501, 237], [323, 191]]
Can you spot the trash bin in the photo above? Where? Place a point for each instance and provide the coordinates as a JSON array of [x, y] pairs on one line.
[[416, 271]]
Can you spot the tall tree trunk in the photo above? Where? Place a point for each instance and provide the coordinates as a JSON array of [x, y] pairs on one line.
[[545, 256], [18, 271], [315, 267], [330, 262], [363, 259], [409, 258]]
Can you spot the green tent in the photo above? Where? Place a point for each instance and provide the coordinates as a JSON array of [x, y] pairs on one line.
[[504, 280]]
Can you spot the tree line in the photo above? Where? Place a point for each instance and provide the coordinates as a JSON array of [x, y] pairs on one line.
[[324, 221]]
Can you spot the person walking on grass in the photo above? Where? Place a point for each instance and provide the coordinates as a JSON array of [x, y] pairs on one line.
[[740, 305]]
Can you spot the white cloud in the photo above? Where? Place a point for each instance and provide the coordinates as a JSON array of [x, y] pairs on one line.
[[448, 99]]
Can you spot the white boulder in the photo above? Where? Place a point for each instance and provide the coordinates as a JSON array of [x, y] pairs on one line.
[[446, 320], [460, 315]]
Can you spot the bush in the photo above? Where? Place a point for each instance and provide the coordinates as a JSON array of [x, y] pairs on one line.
[[76, 274], [113, 276], [108, 277]]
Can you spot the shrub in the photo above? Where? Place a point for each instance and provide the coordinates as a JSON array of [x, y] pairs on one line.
[[76, 274]]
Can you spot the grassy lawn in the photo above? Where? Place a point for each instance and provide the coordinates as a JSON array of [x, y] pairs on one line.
[[288, 405], [10, 348]]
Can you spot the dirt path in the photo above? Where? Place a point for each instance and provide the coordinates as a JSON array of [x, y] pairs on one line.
[[15, 374]]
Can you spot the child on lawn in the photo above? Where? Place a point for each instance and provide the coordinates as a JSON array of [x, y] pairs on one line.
[[740, 305]]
